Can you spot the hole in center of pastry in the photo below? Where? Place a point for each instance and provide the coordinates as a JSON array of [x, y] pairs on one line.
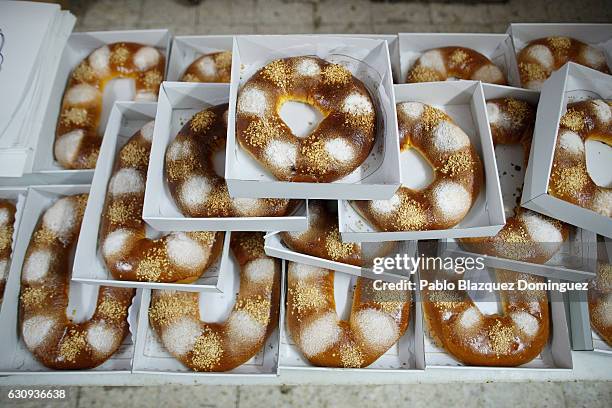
[[216, 307], [598, 158], [82, 300], [218, 162], [487, 302], [120, 89], [511, 170], [343, 294], [301, 118], [417, 173]]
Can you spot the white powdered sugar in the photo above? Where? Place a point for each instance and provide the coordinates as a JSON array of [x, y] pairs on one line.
[[593, 57], [281, 154], [320, 335], [82, 93], [36, 329], [179, 149], [542, 55], [116, 242], [67, 145], [540, 229], [247, 206], [535, 84], [340, 150], [98, 60], [413, 110], [4, 216], [308, 67], [433, 59], [602, 111], [602, 202], [60, 217], [145, 96], [493, 112], [452, 200], [102, 338], [126, 181], [195, 191], [385, 206], [526, 323], [470, 318], [260, 270], [147, 131], [181, 335], [243, 330], [184, 251], [3, 269], [252, 100], [357, 104], [300, 271], [377, 329], [207, 66], [145, 58], [37, 265], [488, 73], [571, 141], [448, 137]]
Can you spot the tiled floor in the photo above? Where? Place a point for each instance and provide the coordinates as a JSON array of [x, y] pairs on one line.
[[327, 16]]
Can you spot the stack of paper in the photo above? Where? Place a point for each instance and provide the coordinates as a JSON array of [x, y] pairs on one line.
[[32, 37]]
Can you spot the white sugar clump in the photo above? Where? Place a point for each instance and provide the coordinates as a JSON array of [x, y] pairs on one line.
[[82, 93], [452, 200], [571, 141], [602, 202], [493, 112], [67, 145], [385, 207], [98, 60], [320, 335], [535, 84], [145, 96], [145, 58], [308, 67], [526, 323], [4, 216], [541, 54], [448, 137], [184, 251], [357, 104], [593, 57], [377, 329], [147, 131], [195, 191], [281, 154], [102, 338], [36, 329], [260, 270], [181, 335], [433, 59], [126, 181], [413, 110], [206, 65], [540, 229], [300, 271], [252, 100], [37, 265], [243, 330], [116, 242], [488, 73], [60, 217], [247, 206], [602, 111], [470, 318], [179, 149], [340, 150]]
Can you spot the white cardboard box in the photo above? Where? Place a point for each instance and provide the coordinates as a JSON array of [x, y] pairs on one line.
[[368, 60], [497, 47], [464, 102], [571, 83], [151, 357], [187, 48], [79, 46], [15, 358], [406, 356], [178, 102], [89, 267]]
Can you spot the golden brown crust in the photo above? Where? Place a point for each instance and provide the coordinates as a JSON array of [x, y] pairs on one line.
[[53, 339], [128, 253], [600, 302], [7, 228], [542, 56], [77, 142], [201, 346], [457, 175], [341, 141], [569, 177], [378, 319], [440, 64], [213, 67], [194, 184]]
